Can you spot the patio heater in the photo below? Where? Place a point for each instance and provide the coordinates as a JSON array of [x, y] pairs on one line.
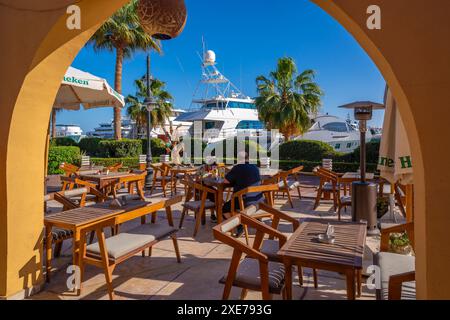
[[364, 193]]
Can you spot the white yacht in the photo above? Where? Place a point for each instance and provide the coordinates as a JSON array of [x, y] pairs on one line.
[[106, 130], [69, 131], [342, 135], [182, 127], [224, 109]]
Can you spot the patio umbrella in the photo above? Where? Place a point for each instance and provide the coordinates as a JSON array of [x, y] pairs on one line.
[[82, 88], [79, 88], [395, 162]]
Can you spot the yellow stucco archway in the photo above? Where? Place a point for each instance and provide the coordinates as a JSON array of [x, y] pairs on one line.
[[32, 69]]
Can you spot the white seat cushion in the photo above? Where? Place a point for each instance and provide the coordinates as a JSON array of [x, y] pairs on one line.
[[394, 264], [126, 242]]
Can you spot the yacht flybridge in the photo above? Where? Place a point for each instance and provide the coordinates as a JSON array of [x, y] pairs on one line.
[[224, 110]]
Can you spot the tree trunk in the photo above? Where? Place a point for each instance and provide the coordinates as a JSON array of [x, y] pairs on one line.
[[118, 88], [54, 123]]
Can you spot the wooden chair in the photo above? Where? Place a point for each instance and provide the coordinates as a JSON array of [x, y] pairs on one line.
[[329, 185], [200, 206], [256, 211], [108, 253], [270, 247], [343, 201], [69, 183], [255, 272], [161, 177], [115, 168], [65, 198], [397, 271], [69, 171], [131, 182]]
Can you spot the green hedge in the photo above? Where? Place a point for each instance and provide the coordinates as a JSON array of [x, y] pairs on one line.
[[63, 142], [58, 155], [158, 147], [340, 167], [128, 163], [124, 148], [315, 151], [306, 150], [90, 146], [372, 153], [251, 147]]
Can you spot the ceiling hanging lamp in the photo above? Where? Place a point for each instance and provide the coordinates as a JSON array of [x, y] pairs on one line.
[[162, 19]]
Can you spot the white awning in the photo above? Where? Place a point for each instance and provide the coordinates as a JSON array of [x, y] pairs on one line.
[[82, 88]]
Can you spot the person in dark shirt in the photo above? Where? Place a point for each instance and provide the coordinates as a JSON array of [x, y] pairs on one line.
[[241, 177]]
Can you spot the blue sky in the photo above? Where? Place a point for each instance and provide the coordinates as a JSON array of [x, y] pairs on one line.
[[248, 38]]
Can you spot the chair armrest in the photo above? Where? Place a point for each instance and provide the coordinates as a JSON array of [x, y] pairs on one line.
[[261, 188], [236, 244], [396, 282]]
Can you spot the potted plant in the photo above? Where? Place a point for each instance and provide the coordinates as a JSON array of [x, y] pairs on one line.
[[399, 243]]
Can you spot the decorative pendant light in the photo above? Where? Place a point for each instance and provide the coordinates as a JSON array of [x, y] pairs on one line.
[[162, 19]]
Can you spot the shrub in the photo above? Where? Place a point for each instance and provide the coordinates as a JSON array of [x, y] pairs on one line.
[[63, 142], [341, 167], [128, 163], [58, 155], [306, 150], [124, 148], [90, 146], [372, 152], [158, 147], [251, 147]]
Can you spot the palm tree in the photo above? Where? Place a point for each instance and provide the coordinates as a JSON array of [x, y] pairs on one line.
[[137, 110], [123, 34], [286, 98]]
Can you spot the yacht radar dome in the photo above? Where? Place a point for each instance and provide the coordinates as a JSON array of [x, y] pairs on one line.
[[209, 58]]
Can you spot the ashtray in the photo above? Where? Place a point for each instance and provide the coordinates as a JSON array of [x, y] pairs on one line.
[[324, 238]]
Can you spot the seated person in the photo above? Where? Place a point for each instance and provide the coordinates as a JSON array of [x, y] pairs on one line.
[[241, 177]]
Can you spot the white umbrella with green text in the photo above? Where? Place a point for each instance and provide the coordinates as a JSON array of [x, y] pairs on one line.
[[395, 161], [82, 88]]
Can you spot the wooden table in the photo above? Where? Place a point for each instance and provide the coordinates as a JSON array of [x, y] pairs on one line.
[[105, 181], [77, 219], [344, 256], [90, 169]]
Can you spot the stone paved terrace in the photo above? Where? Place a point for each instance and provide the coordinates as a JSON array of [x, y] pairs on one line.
[[204, 262]]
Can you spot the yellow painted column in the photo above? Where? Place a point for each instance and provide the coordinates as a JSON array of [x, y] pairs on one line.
[[38, 53], [411, 50]]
